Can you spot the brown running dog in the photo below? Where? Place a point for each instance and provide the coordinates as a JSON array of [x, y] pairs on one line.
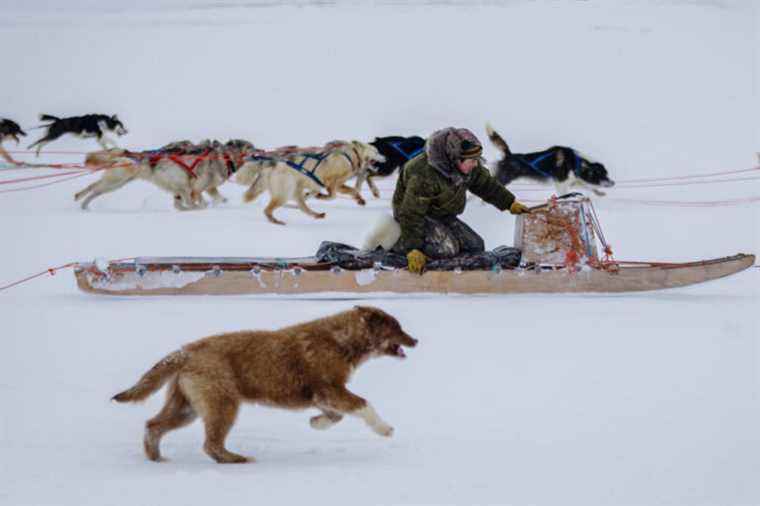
[[297, 367]]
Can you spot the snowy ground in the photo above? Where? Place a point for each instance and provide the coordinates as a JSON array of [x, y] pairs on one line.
[[591, 400]]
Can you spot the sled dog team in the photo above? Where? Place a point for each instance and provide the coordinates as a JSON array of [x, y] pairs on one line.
[[289, 174]]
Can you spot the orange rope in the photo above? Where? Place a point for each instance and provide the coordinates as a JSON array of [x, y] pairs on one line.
[[34, 178], [53, 270], [57, 181], [50, 271]]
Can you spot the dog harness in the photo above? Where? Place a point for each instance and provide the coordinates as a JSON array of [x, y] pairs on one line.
[[350, 161], [232, 165], [190, 169], [396, 145], [533, 164], [303, 170], [157, 155], [300, 166], [297, 166]]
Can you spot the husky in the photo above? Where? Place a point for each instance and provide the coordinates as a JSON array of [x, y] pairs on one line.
[[9, 129], [89, 125], [300, 175], [185, 173], [563, 166], [397, 151], [299, 367]]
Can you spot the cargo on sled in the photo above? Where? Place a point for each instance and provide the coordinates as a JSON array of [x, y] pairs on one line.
[[557, 250]]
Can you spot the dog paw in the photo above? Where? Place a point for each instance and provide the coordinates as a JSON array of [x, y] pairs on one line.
[[320, 422], [383, 429], [376, 194], [361, 201], [225, 457], [235, 459], [320, 216]]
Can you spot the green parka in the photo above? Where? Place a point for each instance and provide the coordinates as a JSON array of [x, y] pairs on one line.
[[423, 191]]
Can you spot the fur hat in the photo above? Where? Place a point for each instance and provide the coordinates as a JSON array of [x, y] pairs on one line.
[[470, 149]]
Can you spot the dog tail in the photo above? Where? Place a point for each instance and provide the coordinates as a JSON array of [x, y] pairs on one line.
[[385, 233], [497, 140], [47, 117], [154, 379]]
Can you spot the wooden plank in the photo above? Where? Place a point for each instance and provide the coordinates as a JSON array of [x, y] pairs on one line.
[[628, 278]]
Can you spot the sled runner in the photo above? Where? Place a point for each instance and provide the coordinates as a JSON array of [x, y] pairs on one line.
[[557, 251]]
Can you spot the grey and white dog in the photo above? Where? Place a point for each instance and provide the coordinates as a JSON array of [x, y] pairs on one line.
[[182, 168]]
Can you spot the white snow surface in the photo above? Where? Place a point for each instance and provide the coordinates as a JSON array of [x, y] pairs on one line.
[[640, 399]]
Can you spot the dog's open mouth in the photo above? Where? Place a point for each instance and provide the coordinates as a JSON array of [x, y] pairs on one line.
[[396, 350]]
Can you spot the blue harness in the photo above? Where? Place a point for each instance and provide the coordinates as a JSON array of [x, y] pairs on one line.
[[533, 164], [396, 145], [306, 172], [300, 166]]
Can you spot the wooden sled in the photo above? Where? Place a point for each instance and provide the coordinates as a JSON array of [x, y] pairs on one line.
[[559, 255]]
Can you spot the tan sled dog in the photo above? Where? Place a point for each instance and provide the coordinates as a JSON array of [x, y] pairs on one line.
[[286, 183], [298, 367], [120, 167]]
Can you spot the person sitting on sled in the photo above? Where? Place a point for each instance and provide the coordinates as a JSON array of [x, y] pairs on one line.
[[431, 192]]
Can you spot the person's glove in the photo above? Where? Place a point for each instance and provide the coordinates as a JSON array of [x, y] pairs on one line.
[[518, 208], [416, 261]]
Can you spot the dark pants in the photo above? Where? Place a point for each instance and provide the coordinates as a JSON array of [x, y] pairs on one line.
[[448, 238]]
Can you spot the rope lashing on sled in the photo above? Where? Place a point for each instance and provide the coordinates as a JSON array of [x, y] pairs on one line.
[[577, 231], [556, 225], [606, 248]]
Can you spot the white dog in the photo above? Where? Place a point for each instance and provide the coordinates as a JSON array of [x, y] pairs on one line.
[[297, 176]]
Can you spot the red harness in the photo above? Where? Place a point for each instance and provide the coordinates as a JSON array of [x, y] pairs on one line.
[[190, 169], [231, 163]]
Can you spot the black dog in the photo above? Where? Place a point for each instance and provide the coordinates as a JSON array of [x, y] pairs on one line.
[[9, 129], [560, 165], [397, 151], [89, 125]]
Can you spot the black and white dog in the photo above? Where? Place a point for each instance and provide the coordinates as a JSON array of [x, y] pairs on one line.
[[89, 125], [563, 166], [9, 129], [397, 151]]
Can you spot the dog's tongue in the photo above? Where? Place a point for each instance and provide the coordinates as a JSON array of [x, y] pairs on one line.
[[400, 352]]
